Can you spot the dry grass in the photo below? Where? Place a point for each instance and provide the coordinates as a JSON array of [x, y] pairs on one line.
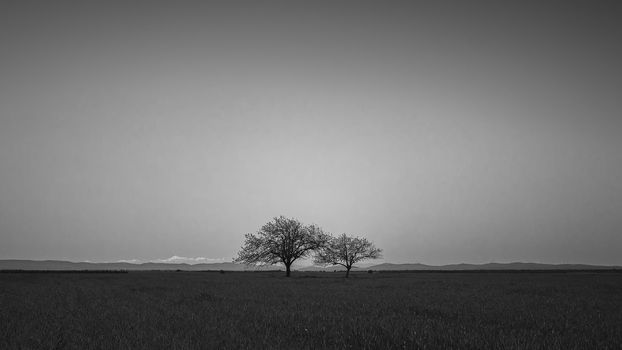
[[189, 310]]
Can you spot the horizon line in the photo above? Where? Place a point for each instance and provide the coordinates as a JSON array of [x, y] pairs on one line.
[[363, 265]]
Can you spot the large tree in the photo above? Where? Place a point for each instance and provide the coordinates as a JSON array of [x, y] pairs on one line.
[[346, 251], [281, 240]]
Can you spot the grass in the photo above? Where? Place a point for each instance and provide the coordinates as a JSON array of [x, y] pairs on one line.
[[251, 310]]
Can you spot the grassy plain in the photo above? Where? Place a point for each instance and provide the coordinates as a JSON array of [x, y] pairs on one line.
[[254, 310]]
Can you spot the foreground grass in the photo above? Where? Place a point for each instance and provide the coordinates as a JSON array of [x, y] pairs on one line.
[[184, 310]]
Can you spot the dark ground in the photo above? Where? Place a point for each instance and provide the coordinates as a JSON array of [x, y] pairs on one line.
[[188, 310]]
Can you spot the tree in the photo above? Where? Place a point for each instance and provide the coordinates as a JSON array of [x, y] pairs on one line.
[[281, 240], [346, 251]]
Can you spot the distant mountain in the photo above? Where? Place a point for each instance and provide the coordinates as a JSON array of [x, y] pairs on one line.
[[325, 268], [57, 265], [401, 267], [489, 266]]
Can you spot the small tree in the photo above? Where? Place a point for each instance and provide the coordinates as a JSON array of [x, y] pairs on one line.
[[281, 240], [346, 251]]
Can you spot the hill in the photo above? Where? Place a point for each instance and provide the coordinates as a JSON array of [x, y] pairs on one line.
[[489, 266], [58, 265]]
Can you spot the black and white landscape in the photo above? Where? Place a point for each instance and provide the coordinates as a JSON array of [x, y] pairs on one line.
[[289, 174]]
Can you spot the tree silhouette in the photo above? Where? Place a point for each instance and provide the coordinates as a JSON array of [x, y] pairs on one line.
[[281, 240], [346, 251]]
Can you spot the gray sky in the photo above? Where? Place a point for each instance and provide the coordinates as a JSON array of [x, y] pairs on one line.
[[443, 131]]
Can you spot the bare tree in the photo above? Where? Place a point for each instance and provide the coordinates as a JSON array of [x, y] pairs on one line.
[[281, 240], [346, 251]]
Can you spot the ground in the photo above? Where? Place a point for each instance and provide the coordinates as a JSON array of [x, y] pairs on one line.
[[311, 310]]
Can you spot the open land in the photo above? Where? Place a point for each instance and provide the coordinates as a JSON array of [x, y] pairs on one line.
[[311, 310]]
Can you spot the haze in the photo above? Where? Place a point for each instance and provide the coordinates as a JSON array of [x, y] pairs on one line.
[[445, 132]]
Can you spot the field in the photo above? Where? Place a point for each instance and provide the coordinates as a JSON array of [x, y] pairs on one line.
[[251, 310]]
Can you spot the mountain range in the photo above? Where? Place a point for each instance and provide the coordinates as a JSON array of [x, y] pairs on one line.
[[58, 265]]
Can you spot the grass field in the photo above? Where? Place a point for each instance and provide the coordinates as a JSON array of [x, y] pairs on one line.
[[251, 310]]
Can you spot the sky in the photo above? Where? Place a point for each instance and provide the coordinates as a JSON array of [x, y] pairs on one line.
[[443, 131]]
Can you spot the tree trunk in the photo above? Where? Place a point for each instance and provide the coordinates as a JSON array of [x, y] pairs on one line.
[[348, 271], [287, 270]]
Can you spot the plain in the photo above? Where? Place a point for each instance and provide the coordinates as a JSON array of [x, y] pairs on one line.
[[311, 310]]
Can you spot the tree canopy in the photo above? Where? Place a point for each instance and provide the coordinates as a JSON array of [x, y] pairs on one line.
[[346, 251], [282, 240]]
